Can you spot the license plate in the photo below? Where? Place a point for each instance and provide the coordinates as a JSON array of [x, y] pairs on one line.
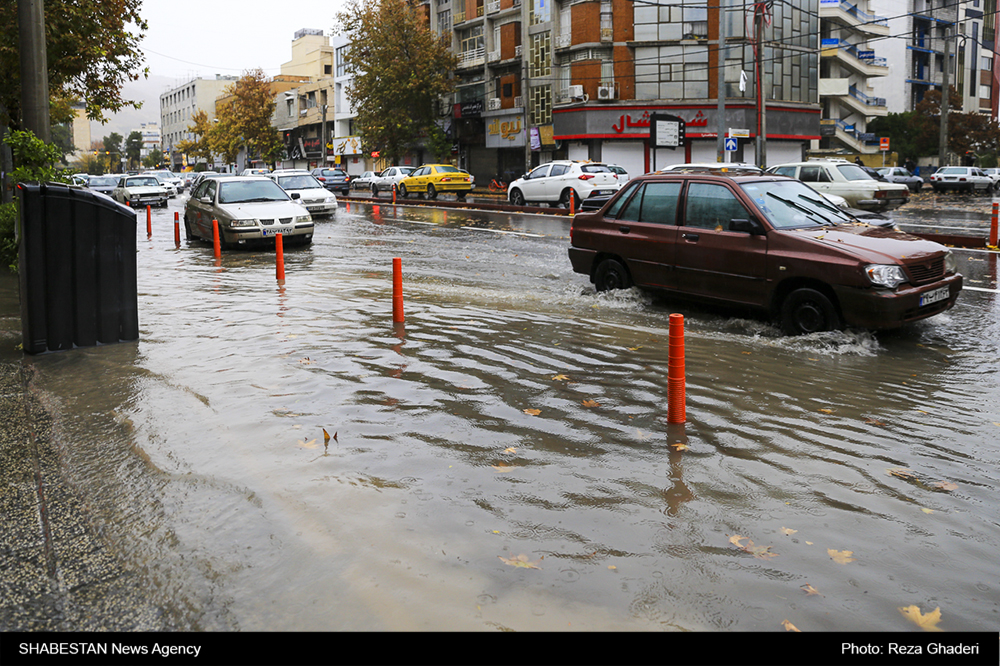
[[277, 230], [934, 296], [603, 192]]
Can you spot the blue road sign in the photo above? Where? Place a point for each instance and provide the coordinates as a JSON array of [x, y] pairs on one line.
[[730, 145]]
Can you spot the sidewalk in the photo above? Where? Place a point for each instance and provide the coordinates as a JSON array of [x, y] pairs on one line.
[[56, 573]]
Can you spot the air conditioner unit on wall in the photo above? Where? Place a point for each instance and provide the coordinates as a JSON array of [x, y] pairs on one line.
[[575, 91], [606, 92]]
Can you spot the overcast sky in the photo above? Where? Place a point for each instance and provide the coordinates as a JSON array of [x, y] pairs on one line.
[[189, 38]]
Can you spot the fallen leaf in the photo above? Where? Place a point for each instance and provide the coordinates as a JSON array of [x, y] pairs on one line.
[[590, 403], [788, 531], [828, 411], [946, 485], [560, 378], [809, 590], [841, 556], [311, 444], [520, 561], [679, 447], [510, 450], [326, 435], [306, 361], [927, 510], [926, 622], [789, 626], [871, 421], [533, 412], [612, 567], [902, 472], [760, 552], [504, 468]]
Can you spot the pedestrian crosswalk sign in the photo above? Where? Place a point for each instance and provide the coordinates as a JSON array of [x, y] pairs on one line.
[[730, 145]]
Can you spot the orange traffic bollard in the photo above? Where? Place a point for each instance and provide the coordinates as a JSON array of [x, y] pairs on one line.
[[397, 290], [149, 223], [393, 195], [993, 226], [675, 371], [177, 229], [215, 239], [279, 251], [572, 203]]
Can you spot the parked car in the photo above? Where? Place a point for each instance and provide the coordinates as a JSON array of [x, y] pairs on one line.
[[255, 171], [902, 175], [431, 179], [251, 210], [994, 174], [364, 181], [555, 182], [168, 177], [620, 172], [390, 178], [140, 191], [103, 184], [171, 188], [335, 180], [765, 242], [874, 173], [202, 175], [849, 181], [472, 179], [962, 179], [309, 191]]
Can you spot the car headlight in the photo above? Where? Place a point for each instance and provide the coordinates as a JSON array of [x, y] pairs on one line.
[[950, 263], [890, 276], [243, 223], [331, 200], [303, 218]]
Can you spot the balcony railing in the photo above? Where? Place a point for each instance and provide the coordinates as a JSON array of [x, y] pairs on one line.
[[472, 58], [865, 56], [859, 14], [563, 40], [458, 16], [493, 56], [518, 102], [492, 6], [865, 99]]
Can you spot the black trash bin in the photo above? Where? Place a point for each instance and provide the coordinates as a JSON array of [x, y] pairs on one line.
[[77, 266]]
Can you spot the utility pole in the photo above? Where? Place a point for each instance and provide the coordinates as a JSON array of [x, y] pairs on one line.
[[945, 103], [758, 16], [34, 68], [323, 136], [720, 143]]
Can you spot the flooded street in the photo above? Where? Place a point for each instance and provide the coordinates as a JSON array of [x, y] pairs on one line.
[[502, 460]]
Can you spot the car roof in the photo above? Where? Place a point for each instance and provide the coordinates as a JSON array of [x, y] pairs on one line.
[[720, 176]]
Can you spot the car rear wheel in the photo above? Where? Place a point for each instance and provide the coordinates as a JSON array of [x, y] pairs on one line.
[[187, 231], [516, 197], [402, 190], [374, 190], [431, 191], [568, 195], [808, 311], [611, 274]]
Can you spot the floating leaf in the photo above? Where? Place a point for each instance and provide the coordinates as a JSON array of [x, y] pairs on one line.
[[841, 556], [560, 378], [760, 552], [326, 435], [677, 446], [788, 531], [533, 412], [311, 444], [902, 472], [871, 421], [946, 485], [827, 411], [503, 467], [809, 590], [927, 510], [590, 403], [520, 561], [789, 626], [306, 361], [927, 622], [510, 449]]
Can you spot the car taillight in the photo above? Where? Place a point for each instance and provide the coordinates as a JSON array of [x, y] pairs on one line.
[[346, 178], [445, 180], [585, 176], [881, 194], [321, 179]]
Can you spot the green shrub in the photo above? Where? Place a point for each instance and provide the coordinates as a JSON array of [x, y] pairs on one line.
[[8, 246]]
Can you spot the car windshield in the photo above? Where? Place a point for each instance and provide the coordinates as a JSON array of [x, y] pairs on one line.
[[148, 181], [247, 191], [446, 169], [790, 204], [853, 172], [953, 171], [301, 182], [102, 182]]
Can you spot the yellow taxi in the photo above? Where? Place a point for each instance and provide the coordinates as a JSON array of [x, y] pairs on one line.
[[430, 179]]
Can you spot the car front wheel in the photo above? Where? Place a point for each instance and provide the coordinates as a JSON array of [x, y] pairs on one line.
[[517, 197], [611, 274], [374, 190], [808, 311], [402, 191], [568, 196], [431, 191]]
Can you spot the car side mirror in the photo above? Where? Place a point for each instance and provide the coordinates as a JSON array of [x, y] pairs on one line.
[[746, 225], [205, 199], [296, 195]]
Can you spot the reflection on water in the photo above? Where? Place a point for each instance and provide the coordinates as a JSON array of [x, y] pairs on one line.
[[516, 413]]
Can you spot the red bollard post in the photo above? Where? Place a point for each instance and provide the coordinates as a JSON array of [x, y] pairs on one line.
[[177, 229], [279, 250], [149, 222], [215, 239], [393, 195], [993, 226], [572, 203], [676, 391], [397, 290]]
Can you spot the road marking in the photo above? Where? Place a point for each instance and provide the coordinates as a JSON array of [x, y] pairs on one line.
[[499, 231], [988, 291]]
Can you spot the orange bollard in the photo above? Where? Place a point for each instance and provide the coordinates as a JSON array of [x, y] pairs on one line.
[[177, 229], [215, 239], [676, 397], [279, 251], [993, 226], [149, 223], [572, 203], [393, 195], [397, 290]]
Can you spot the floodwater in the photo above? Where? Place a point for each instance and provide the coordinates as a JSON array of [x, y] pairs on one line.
[[502, 460]]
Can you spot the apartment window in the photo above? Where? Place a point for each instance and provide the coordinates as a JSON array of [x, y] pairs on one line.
[[471, 39], [540, 105], [444, 22], [340, 60], [986, 64], [540, 56], [984, 92], [540, 11]]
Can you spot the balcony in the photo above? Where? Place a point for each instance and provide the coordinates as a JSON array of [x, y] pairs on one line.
[[848, 14], [493, 6], [564, 40], [850, 97], [859, 61], [493, 56], [473, 58]]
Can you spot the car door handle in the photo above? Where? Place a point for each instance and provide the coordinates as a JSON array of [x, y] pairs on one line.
[[690, 237], [624, 229]]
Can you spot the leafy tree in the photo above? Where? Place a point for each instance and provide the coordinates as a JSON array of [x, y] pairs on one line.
[[200, 146], [113, 143], [400, 71], [154, 159], [245, 121], [133, 147], [62, 139], [92, 49]]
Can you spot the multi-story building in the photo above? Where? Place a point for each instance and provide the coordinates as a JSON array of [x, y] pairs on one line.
[[850, 74], [151, 139], [580, 79], [178, 106]]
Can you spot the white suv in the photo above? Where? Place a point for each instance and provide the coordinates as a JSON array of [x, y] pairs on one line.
[[836, 176], [555, 182]]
